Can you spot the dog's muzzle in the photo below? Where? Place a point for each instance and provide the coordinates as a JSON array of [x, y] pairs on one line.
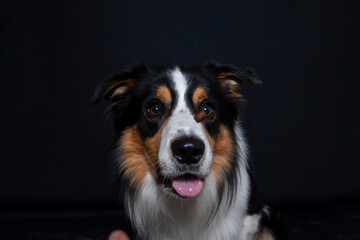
[[188, 152]]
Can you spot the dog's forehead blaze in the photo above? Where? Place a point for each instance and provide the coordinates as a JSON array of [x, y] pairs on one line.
[[139, 156], [223, 153], [199, 95], [163, 93]]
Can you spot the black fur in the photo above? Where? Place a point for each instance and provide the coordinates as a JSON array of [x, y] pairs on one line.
[[130, 108]]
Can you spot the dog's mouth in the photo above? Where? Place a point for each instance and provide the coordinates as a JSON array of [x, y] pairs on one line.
[[186, 185]]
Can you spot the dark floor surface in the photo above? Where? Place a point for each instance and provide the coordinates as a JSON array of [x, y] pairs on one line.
[[331, 222]]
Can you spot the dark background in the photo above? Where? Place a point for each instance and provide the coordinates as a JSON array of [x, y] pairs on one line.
[[302, 123]]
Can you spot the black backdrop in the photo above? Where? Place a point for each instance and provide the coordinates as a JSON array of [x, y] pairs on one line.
[[302, 123]]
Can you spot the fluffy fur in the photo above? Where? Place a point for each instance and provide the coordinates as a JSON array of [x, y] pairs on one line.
[[151, 108]]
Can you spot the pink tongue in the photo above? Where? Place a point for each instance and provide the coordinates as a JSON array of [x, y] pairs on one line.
[[187, 186]]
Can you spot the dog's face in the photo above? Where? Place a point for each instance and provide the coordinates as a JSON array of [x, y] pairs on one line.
[[175, 123]]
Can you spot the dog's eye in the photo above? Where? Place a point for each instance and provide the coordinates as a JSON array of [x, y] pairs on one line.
[[154, 110], [208, 110]]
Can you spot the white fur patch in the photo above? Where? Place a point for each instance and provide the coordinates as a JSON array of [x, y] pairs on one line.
[[159, 216], [251, 226], [181, 123]]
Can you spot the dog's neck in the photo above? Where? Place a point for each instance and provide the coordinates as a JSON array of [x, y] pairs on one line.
[[158, 216]]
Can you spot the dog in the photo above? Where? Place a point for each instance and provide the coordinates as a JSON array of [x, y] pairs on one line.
[[181, 154]]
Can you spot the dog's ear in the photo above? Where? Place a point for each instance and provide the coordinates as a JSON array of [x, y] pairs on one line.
[[118, 84], [231, 77]]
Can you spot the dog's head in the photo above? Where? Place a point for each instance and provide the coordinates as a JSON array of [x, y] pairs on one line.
[[175, 123]]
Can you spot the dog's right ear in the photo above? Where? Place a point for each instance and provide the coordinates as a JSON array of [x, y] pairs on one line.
[[119, 83]]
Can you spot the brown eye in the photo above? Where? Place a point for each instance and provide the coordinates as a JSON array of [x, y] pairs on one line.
[[208, 110], [154, 110]]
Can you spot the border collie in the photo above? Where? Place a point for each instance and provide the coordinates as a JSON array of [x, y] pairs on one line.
[[181, 153]]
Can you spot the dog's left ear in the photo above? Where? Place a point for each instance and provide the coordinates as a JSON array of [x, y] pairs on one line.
[[231, 77]]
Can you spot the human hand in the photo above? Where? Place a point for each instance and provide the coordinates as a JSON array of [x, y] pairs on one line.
[[118, 235]]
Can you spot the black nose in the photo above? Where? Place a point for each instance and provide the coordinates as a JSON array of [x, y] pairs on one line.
[[188, 150]]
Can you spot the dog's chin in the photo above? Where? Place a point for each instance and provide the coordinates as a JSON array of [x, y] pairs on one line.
[[183, 186]]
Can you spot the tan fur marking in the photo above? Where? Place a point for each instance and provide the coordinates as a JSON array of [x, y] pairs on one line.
[[133, 160], [121, 87], [231, 86], [138, 156], [199, 95], [200, 116], [120, 90], [163, 93], [210, 139], [113, 104], [227, 75], [223, 152], [266, 235]]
